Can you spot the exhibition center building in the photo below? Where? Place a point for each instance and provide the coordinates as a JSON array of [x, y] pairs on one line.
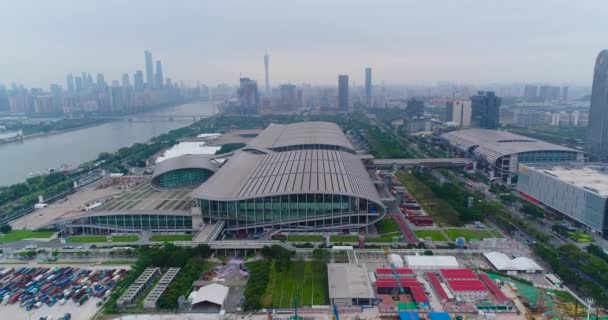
[[301, 177]]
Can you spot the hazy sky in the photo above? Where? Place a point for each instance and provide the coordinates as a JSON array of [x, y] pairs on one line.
[[308, 41]]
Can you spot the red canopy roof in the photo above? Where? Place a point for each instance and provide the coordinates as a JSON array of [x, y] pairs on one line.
[[467, 285], [434, 280], [492, 286], [410, 283], [458, 273]]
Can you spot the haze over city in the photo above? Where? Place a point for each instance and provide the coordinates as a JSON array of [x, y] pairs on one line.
[[406, 42]]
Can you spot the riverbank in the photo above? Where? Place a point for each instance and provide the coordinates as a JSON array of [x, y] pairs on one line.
[[82, 144], [52, 132]]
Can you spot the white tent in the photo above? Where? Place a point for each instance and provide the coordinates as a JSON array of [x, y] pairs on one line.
[[214, 293], [502, 262], [395, 260], [431, 262]]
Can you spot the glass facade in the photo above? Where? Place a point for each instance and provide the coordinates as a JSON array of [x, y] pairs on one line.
[[133, 222], [546, 156], [182, 177], [326, 211]]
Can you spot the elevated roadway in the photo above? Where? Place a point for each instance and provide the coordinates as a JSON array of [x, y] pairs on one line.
[[427, 162]]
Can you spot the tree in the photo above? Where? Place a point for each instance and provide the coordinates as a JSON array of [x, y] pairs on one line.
[[5, 228]]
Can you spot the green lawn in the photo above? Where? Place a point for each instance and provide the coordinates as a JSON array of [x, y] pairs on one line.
[[434, 235], [16, 235], [132, 238], [172, 237], [305, 238], [86, 239], [469, 234], [387, 225], [351, 238], [306, 280]]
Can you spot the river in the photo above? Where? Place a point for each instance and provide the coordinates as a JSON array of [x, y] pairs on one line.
[[74, 147]]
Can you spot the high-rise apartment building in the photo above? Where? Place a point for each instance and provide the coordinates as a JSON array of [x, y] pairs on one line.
[[343, 92], [485, 110], [289, 96], [415, 108], [530, 91], [149, 70], [125, 80], [597, 129], [158, 83], [458, 112], [78, 83], [565, 93], [70, 83], [101, 82], [368, 87]]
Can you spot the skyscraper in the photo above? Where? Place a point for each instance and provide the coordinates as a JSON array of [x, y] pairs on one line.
[[343, 92], [597, 129], [368, 87], [248, 95], [530, 91], [138, 80], [125, 80], [485, 110], [158, 84], [149, 70], [266, 62], [78, 82], [458, 112], [415, 108], [70, 83], [101, 82], [565, 93]]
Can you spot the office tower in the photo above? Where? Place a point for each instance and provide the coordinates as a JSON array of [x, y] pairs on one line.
[[555, 93], [368, 87], [415, 108], [158, 84], [55, 89], [116, 97], [530, 91], [84, 80], [138, 80], [289, 96], [89, 82], [343, 92], [485, 110], [565, 93], [149, 70], [458, 112], [125, 80], [597, 129], [78, 82], [266, 62], [248, 95], [70, 83], [101, 82]]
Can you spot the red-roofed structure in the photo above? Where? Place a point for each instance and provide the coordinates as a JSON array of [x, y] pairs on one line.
[[458, 274], [389, 272], [410, 284], [434, 280], [493, 288], [467, 285]]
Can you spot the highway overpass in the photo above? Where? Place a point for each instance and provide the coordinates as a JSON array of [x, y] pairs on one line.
[[427, 162]]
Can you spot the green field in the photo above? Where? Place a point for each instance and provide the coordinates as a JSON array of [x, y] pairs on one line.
[[306, 280], [171, 237], [305, 238], [469, 234], [16, 235], [86, 239], [434, 235], [387, 225], [125, 238]]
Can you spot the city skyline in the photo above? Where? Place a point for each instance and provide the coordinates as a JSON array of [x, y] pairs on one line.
[[522, 50]]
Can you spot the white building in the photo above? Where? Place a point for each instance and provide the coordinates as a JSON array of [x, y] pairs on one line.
[[431, 262]]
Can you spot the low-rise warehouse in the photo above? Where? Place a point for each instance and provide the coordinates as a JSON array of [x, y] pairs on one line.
[[209, 299], [349, 285]]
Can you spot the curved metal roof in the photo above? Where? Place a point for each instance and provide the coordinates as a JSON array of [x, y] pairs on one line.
[[252, 175], [301, 133], [186, 161], [104, 213], [493, 144]]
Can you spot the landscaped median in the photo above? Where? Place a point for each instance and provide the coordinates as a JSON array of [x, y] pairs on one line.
[[472, 234], [92, 239], [434, 235], [171, 237], [16, 235]]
